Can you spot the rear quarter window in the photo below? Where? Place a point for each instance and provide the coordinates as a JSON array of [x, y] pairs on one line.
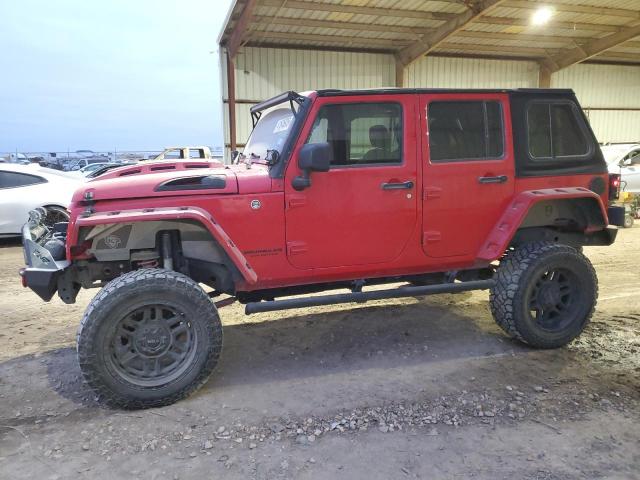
[[16, 179], [556, 130], [552, 136]]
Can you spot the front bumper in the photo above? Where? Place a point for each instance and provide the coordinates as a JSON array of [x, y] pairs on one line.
[[42, 272]]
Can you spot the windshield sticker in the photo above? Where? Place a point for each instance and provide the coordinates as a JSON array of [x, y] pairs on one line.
[[283, 124]]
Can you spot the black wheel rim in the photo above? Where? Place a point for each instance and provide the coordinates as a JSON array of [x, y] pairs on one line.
[[553, 298], [55, 215], [152, 345]]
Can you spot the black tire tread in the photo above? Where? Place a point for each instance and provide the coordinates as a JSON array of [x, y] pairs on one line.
[[508, 277], [141, 280]]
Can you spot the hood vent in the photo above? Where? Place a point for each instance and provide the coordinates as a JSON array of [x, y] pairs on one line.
[[199, 182]]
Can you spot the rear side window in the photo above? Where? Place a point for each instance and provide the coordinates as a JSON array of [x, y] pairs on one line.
[[467, 130], [555, 130], [196, 153], [15, 179], [173, 155], [360, 134]]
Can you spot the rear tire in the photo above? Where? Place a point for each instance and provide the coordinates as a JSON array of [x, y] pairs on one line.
[[149, 338], [628, 221], [545, 294]]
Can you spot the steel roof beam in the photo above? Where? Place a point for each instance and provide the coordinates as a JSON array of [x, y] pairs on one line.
[[583, 52], [241, 28], [357, 10], [435, 36]]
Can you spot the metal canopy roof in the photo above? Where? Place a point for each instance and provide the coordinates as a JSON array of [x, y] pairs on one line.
[[579, 30]]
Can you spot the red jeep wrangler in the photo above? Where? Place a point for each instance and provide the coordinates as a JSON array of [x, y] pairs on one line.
[[439, 190]]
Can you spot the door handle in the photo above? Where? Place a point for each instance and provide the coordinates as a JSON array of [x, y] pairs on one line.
[[497, 179], [397, 186]]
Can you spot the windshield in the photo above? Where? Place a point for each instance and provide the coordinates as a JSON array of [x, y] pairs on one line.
[[270, 133]]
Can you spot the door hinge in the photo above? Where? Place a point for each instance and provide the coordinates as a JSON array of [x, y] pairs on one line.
[[296, 201], [431, 236], [431, 192], [296, 248]]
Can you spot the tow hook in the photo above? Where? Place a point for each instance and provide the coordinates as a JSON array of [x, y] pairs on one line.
[[23, 279]]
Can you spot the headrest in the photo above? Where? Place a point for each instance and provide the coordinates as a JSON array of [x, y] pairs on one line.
[[379, 136]]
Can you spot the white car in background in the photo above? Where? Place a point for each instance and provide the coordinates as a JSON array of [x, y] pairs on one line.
[[624, 158], [88, 169], [25, 187]]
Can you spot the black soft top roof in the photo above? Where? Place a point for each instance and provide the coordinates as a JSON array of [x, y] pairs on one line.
[[395, 91]]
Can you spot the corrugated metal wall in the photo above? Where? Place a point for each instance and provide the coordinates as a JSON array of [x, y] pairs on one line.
[[448, 72], [610, 95]]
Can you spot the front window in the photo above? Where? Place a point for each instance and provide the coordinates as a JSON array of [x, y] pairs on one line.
[[270, 133], [360, 134]]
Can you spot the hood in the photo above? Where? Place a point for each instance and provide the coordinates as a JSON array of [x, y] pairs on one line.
[[175, 179]]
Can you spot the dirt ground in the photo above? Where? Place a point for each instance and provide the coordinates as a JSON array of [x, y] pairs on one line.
[[414, 388]]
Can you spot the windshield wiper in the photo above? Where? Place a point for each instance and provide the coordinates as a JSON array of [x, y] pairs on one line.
[[236, 156], [272, 157]]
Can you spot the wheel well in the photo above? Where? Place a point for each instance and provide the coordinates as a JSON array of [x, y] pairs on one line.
[[571, 221], [135, 245], [571, 214]]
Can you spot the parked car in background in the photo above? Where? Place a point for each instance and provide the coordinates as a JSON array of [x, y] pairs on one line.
[[80, 163], [106, 167], [18, 158], [95, 166], [624, 159], [25, 187], [92, 167], [184, 153]]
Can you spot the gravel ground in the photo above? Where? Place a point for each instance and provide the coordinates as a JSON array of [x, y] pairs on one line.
[[413, 388]]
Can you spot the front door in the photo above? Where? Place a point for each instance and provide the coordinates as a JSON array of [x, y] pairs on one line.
[[468, 170], [364, 209]]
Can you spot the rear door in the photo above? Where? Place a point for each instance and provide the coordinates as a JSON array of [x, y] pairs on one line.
[[468, 170], [364, 209]]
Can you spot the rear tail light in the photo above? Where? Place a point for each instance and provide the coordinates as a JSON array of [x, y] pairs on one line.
[[614, 186]]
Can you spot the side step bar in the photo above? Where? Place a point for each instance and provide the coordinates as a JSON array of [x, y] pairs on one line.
[[359, 297]]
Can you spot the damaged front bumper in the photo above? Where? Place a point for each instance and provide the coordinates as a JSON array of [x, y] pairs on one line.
[[42, 272]]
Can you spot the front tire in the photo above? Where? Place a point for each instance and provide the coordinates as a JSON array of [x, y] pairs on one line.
[[149, 338], [545, 294]]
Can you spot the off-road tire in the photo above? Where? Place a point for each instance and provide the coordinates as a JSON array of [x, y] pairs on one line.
[[517, 279], [628, 221], [123, 297]]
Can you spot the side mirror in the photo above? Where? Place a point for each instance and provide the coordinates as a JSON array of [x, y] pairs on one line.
[[313, 157]]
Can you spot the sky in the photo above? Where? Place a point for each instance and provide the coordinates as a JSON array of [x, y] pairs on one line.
[[105, 75]]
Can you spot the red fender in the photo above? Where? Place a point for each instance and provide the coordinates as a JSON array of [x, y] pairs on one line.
[[172, 213], [513, 216]]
